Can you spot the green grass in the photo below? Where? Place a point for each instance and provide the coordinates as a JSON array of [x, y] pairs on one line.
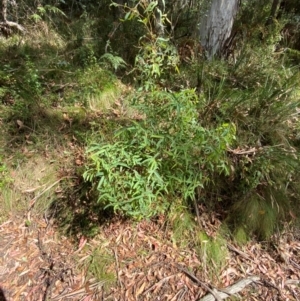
[[213, 252], [181, 223], [29, 179], [240, 236], [99, 265]]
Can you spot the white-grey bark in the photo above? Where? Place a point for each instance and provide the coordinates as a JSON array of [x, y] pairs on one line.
[[3, 10], [216, 25], [158, 23], [5, 25], [231, 290]]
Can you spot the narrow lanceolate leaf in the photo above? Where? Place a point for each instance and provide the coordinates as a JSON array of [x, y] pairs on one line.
[[127, 16], [151, 6]]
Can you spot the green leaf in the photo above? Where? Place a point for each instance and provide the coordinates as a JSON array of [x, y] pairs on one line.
[[151, 6], [155, 69], [127, 16]]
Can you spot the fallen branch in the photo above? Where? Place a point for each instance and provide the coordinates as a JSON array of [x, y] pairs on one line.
[[12, 24], [231, 290], [252, 150], [5, 25], [234, 249]]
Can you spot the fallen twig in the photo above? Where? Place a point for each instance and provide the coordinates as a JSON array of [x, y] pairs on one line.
[[213, 292], [118, 268], [234, 249], [295, 264], [158, 283], [252, 150]]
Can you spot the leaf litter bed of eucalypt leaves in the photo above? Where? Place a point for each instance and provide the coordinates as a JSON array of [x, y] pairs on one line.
[[36, 263]]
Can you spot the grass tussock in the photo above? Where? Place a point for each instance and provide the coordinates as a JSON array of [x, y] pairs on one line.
[[28, 182], [213, 252], [99, 265]]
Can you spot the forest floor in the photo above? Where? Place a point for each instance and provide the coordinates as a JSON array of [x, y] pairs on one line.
[[56, 96], [126, 260], [134, 260], [138, 262]]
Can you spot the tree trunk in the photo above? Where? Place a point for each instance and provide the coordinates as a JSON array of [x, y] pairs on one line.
[[3, 10], [216, 26]]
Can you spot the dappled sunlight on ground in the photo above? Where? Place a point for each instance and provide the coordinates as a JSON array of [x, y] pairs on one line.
[[136, 262]]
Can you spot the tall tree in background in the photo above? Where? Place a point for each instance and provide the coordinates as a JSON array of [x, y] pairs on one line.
[[216, 25], [3, 11], [274, 9]]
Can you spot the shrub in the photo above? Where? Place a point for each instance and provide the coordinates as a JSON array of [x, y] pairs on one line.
[[165, 156]]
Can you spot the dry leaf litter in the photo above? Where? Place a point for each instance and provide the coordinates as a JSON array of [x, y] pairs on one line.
[[37, 264]]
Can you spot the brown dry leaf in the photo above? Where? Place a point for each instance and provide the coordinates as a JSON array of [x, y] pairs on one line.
[[118, 103], [140, 290], [187, 282], [172, 284], [262, 268], [131, 283], [119, 237], [79, 162], [295, 245], [117, 113], [158, 287], [82, 243], [87, 288]]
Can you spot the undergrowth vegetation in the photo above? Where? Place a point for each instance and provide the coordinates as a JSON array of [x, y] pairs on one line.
[[179, 132], [229, 142], [167, 155]]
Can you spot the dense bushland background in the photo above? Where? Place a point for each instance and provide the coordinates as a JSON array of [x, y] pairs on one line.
[[162, 129]]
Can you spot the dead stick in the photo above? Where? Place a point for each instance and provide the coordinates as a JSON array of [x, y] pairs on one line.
[[159, 282], [234, 249], [194, 278], [118, 268]]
